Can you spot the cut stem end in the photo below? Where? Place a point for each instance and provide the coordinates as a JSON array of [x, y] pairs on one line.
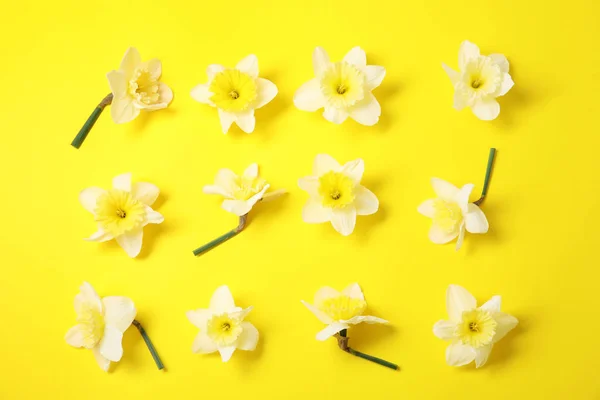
[[146, 338]]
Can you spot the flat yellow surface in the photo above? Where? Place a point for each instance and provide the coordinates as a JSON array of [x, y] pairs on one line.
[[540, 253]]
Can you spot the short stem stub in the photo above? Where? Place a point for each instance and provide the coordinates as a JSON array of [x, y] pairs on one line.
[[488, 174], [85, 129], [343, 339], [223, 238], [155, 356]]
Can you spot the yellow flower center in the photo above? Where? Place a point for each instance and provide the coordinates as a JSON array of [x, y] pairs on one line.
[[482, 76], [223, 329], [91, 323], [342, 84], [143, 87], [336, 189], [246, 188], [477, 328], [447, 215], [233, 90], [343, 307], [118, 212]]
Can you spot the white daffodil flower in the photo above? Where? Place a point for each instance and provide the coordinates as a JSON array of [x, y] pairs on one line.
[[343, 88], [241, 192], [340, 310], [236, 93], [222, 326], [136, 86], [122, 212], [481, 79], [472, 330], [452, 214], [336, 194], [100, 324]]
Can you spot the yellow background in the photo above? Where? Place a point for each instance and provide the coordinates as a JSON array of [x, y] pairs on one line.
[[540, 253]]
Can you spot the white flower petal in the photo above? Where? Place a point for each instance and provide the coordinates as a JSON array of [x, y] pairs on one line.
[[212, 70], [313, 212], [249, 65], [309, 96], [226, 352], [102, 361], [203, 344], [452, 74], [145, 192], [110, 344], [486, 109], [89, 197], [467, 51], [222, 300], [335, 115], [367, 319], [461, 237], [426, 208], [131, 242], [320, 61], [506, 323], [99, 236], [331, 330], [322, 316], [365, 201], [482, 354], [199, 317], [444, 190], [122, 110], [119, 312], [122, 182], [225, 179], [251, 172], [354, 170], [357, 57], [130, 62], [310, 184], [226, 118], [117, 82], [444, 329], [344, 219], [248, 338], [461, 98], [240, 313], [458, 354], [154, 67], [201, 94], [258, 196], [366, 112], [506, 84], [165, 96], [87, 295], [246, 121], [353, 291], [237, 207], [458, 300], [74, 337], [374, 75], [440, 236], [323, 294], [475, 220], [501, 61], [492, 305], [214, 189], [266, 92], [323, 164], [462, 198], [273, 195]]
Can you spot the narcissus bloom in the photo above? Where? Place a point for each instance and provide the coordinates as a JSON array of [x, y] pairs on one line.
[[472, 330], [100, 324], [452, 214], [342, 88], [241, 192], [222, 326], [336, 194], [340, 310], [122, 212], [136, 86], [481, 79], [236, 93]]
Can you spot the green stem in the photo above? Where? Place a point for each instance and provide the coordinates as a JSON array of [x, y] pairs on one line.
[[343, 343], [157, 360], [488, 174], [87, 127], [222, 238]]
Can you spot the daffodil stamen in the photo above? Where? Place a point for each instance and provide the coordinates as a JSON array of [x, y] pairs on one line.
[[342, 84], [118, 212], [233, 90], [336, 189]]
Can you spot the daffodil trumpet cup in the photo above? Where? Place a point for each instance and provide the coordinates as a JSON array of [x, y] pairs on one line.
[[488, 174], [87, 127], [151, 347], [223, 238], [343, 339]]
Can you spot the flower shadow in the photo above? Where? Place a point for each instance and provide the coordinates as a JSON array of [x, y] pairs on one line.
[[517, 100], [366, 223]]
